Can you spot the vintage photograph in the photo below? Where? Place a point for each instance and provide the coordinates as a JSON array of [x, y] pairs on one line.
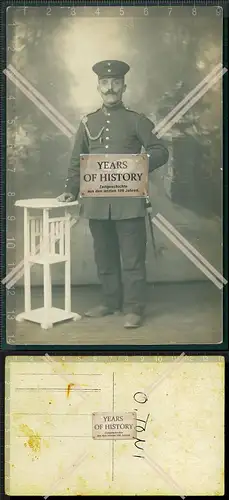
[[114, 175]]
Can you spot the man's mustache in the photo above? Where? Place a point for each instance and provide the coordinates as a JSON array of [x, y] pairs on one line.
[[109, 92]]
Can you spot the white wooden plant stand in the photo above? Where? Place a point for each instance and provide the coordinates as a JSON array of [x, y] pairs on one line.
[[46, 242]]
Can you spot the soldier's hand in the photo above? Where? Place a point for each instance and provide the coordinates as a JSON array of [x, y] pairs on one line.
[[66, 198]]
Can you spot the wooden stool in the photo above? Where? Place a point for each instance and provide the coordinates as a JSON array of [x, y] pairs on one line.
[[46, 242]]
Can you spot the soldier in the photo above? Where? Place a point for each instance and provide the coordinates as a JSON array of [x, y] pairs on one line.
[[117, 224]]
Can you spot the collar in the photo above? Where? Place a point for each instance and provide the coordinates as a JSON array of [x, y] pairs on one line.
[[109, 109]]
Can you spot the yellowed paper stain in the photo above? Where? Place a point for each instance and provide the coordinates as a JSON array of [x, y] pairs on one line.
[[178, 448], [34, 440], [69, 387]]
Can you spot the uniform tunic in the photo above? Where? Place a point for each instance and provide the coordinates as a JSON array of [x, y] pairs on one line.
[[117, 224]]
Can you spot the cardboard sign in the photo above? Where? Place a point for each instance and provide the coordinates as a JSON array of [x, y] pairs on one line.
[[114, 425], [114, 175]]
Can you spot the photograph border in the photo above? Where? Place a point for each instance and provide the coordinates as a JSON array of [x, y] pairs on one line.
[[3, 196], [102, 354]]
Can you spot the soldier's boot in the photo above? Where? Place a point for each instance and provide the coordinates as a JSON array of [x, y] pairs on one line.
[[100, 312], [133, 320]]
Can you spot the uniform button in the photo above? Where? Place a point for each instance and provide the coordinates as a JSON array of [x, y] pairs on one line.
[[106, 147], [108, 114], [108, 121], [107, 129], [107, 138]]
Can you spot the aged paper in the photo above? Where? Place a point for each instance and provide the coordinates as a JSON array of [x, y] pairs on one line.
[[178, 446]]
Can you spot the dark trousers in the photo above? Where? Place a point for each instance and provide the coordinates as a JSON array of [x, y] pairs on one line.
[[116, 242]]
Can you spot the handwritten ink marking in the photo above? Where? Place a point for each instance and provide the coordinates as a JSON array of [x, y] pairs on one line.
[[143, 394], [136, 444], [140, 398], [145, 422]]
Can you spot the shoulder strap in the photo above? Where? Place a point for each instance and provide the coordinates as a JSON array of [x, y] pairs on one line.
[[131, 110], [85, 117]]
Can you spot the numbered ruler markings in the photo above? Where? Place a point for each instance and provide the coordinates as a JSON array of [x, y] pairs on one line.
[[133, 9], [11, 163], [8, 395], [156, 358]]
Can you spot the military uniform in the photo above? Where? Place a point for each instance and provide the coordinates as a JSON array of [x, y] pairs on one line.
[[117, 224]]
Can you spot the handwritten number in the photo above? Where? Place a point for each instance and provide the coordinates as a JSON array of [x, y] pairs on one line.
[[140, 395], [139, 441], [140, 428]]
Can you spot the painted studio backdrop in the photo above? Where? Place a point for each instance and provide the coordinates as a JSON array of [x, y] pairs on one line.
[[54, 50]]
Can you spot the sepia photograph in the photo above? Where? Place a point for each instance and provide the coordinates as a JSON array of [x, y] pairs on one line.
[[114, 175]]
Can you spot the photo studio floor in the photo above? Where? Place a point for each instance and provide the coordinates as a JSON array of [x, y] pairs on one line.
[[184, 313]]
